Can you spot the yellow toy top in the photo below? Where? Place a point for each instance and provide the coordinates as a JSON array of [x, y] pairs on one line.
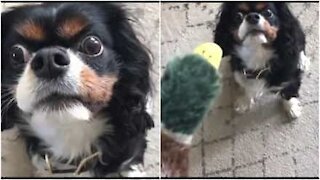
[[211, 52]]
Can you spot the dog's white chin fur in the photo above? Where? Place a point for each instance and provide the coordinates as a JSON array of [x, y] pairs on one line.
[[67, 135], [27, 89], [79, 112]]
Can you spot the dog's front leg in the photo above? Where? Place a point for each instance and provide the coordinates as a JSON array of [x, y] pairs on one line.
[[245, 100], [243, 104], [290, 99]]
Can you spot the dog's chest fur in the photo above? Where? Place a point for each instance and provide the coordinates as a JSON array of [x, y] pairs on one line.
[[254, 56], [66, 136]]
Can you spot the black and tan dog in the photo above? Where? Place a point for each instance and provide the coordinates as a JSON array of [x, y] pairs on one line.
[[267, 48], [75, 80]]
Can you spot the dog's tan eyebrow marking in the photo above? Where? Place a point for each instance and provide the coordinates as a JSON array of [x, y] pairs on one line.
[[244, 7], [31, 30], [260, 6], [71, 27]]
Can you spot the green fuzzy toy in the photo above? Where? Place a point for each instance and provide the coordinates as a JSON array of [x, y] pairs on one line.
[[188, 87]]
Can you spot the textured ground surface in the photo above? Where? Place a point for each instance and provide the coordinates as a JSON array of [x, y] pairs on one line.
[[261, 142], [147, 26]]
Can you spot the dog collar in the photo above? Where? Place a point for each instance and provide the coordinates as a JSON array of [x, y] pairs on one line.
[[77, 169], [255, 74]]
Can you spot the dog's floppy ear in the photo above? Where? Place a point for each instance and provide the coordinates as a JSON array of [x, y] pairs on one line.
[[134, 84], [223, 36], [291, 39], [9, 17], [134, 55], [5, 23], [9, 108]]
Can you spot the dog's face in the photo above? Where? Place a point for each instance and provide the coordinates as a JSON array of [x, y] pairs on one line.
[[249, 19], [58, 56]]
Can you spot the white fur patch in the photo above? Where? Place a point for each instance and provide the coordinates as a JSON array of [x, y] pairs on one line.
[[253, 53], [76, 66], [149, 105], [25, 92], [66, 135], [292, 106], [304, 62], [80, 112], [243, 30], [137, 171]]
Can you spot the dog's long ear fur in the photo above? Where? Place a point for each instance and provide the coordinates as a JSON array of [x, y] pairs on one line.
[[9, 108], [223, 36], [130, 98], [291, 39], [5, 23]]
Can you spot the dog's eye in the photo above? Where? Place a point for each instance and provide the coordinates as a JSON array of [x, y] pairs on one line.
[[17, 54], [239, 17], [91, 45], [268, 13]]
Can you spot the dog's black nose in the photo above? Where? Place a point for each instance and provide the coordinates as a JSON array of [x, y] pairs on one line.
[[253, 18], [50, 63]]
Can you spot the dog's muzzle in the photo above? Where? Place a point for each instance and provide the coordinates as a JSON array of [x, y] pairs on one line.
[[50, 63], [253, 18]]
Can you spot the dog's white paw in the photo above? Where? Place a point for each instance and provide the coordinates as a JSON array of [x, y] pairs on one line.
[[293, 108], [304, 62], [243, 104], [136, 171]]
